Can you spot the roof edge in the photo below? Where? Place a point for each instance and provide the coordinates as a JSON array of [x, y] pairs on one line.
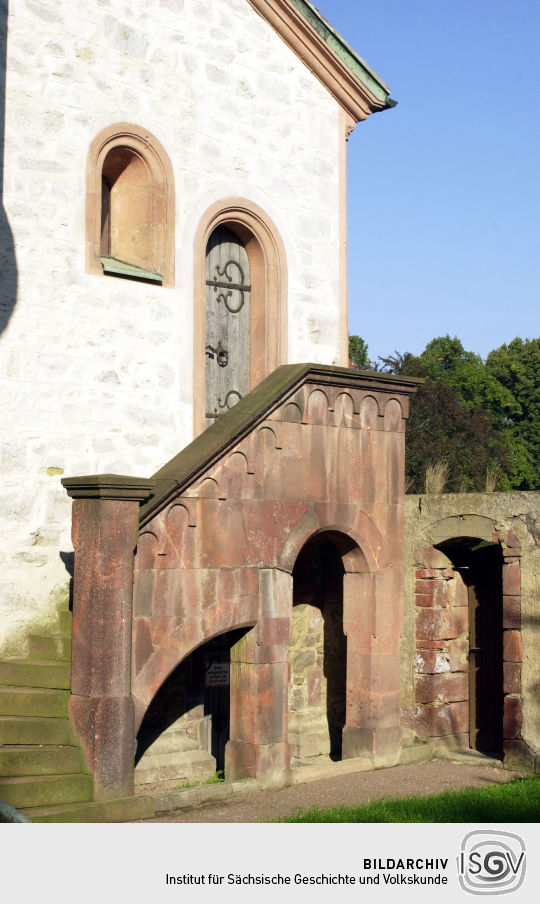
[[343, 49], [355, 86]]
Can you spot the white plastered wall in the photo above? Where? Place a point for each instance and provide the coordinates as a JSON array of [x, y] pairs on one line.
[[97, 372]]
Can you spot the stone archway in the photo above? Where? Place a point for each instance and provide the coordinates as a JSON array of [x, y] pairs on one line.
[[209, 545], [364, 625], [317, 654], [185, 729], [468, 637], [477, 566]]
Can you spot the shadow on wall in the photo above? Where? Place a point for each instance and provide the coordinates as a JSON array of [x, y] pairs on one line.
[[68, 558], [193, 703], [532, 624], [318, 653], [8, 267]]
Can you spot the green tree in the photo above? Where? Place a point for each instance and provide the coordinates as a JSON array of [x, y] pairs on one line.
[[358, 353], [458, 416], [441, 428], [477, 416], [516, 367], [445, 359]]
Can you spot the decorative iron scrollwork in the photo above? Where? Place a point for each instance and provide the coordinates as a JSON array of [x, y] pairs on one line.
[[222, 355], [239, 286], [225, 404]]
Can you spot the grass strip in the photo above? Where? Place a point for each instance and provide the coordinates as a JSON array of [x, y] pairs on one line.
[[515, 801]]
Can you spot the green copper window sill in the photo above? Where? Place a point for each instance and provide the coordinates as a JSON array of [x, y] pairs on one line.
[[116, 267]]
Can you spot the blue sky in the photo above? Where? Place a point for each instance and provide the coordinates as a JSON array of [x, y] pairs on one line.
[[444, 190]]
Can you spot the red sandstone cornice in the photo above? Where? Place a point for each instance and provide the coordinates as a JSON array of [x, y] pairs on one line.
[[338, 78], [258, 404]]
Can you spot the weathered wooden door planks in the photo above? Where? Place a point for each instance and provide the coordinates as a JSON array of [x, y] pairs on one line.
[[228, 293]]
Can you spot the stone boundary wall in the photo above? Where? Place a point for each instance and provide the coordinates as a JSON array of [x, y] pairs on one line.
[[435, 638]]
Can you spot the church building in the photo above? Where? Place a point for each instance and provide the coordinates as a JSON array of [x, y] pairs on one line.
[[217, 524]]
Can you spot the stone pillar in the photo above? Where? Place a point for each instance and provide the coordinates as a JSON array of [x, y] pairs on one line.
[[258, 746], [372, 623], [105, 526]]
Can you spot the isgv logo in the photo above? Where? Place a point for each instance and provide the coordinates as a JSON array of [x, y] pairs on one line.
[[491, 863]]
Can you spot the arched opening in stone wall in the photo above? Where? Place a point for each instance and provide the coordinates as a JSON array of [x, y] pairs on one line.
[[128, 230], [317, 654], [185, 729], [478, 564], [460, 685], [130, 206]]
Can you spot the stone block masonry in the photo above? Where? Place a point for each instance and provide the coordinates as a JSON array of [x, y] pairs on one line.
[[98, 371], [442, 622], [235, 529], [436, 623]]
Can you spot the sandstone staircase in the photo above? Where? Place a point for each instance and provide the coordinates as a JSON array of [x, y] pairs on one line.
[[42, 769]]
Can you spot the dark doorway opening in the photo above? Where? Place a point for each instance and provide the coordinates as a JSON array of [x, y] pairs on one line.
[[318, 656], [479, 564], [198, 691]]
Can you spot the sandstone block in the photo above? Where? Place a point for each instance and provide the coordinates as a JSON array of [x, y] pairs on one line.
[[450, 687], [512, 717], [512, 612], [458, 653], [429, 662], [441, 624], [445, 719], [106, 728], [511, 578], [461, 591], [434, 593], [511, 540], [512, 646], [424, 573], [512, 678], [258, 702], [268, 763]]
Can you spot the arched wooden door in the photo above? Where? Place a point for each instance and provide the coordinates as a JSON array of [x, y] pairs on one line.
[[228, 292]]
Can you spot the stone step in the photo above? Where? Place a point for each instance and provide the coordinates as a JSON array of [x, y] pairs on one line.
[[64, 620], [189, 765], [33, 701], [45, 790], [119, 810], [316, 771], [26, 760], [172, 742], [50, 646], [33, 730], [35, 673]]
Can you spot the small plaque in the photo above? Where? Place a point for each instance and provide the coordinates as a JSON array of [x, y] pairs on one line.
[[218, 674]]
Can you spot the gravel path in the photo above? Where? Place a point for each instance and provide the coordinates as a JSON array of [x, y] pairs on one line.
[[352, 789]]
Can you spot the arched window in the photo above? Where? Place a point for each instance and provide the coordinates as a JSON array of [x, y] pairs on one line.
[[130, 206]]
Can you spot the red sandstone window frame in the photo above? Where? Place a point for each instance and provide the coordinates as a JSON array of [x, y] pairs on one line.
[[142, 143], [269, 292]]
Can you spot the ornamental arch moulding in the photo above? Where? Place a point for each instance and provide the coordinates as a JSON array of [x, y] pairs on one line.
[[357, 539], [130, 206], [262, 248]]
